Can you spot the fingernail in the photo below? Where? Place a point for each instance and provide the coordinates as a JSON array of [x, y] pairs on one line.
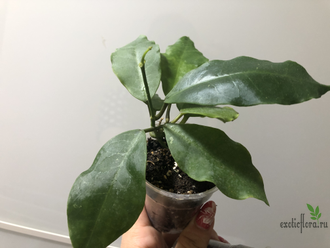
[[205, 217], [221, 239]]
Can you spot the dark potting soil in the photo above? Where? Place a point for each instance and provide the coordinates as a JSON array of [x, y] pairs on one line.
[[163, 172]]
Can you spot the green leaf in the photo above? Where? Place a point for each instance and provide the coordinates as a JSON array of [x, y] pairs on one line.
[[179, 59], [313, 218], [224, 114], [125, 64], [317, 210], [312, 214], [157, 102], [106, 200], [319, 216], [208, 154], [246, 81], [310, 208]]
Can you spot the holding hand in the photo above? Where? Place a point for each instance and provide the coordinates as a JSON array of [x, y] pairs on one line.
[[196, 235]]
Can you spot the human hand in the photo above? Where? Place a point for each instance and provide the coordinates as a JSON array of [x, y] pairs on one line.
[[143, 235], [196, 235]]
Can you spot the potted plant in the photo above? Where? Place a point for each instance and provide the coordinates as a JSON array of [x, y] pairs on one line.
[[106, 200]]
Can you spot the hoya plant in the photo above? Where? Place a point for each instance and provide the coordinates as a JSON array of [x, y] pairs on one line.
[[106, 199]]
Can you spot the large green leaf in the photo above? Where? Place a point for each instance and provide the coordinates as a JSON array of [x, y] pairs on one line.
[[125, 64], [224, 114], [245, 81], [208, 154], [179, 59], [106, 200]]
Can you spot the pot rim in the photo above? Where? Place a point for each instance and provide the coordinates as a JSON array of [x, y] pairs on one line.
[[180, 196]]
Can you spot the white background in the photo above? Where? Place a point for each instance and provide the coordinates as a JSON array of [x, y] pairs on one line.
[[60, 102]]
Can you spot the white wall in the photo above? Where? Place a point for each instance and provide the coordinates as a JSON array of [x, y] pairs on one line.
[[60, 102]]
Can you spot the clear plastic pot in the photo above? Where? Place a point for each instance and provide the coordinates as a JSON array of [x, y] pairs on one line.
[[171, 212]]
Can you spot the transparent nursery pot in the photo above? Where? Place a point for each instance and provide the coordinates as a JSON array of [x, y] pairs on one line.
[[170, 212]]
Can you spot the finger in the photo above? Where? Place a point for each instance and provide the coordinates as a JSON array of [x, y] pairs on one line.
[[143, 219], [199, 231], [214, 235], [170, 238], [221, 239]]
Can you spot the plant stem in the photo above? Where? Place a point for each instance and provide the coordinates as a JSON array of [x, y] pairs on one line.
[[184, 120], [151, 129], [167, 119], [161, 112], [145, 82], [158, 134], [177, 118]]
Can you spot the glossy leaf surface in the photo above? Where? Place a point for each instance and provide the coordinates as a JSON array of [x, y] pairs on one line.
[[125, 64], [246, 81], [179, 59], [224, 114], [208, 154], [106, 200]]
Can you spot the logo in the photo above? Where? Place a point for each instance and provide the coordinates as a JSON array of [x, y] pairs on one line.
[[316, 214], [301, 224]]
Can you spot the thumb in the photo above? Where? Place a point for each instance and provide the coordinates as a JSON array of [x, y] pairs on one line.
[[199, 231]]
